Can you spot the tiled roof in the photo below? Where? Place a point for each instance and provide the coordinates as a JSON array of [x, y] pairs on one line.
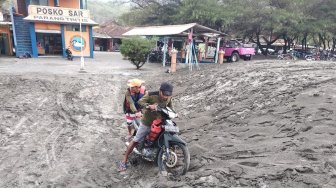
[[112, 29], [100, 35]]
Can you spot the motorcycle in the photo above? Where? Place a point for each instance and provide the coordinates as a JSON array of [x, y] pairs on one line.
[[69, 54], [330, 57], [288, 56], [313, 57], [168, 149], [155, 56]]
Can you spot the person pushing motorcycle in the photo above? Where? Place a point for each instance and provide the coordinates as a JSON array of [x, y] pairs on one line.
[[149, 103], [134, 93]]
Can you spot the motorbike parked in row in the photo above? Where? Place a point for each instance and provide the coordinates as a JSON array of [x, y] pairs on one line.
[[287, 56], [313, 57], [155, 56], [69, 54], [321, 56], [328, 56], [166, 148]]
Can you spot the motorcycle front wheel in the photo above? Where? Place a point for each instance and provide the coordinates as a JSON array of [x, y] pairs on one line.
[[178, 161]]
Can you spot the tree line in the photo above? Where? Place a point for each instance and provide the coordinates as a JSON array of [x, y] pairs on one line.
[[305, 22]]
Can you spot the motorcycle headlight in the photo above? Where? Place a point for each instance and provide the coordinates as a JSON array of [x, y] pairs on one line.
[[170, 127], [172, 114]]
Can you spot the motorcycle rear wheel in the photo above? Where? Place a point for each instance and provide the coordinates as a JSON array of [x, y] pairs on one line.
[[134, 159], [280, 57], [179, 161], [309, 58]]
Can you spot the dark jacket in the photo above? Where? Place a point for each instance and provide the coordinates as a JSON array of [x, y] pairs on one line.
[[149, 99]]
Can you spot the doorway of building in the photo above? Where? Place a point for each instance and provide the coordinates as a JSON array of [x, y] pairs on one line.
[[49, 44], [102, 44], [4, 44]]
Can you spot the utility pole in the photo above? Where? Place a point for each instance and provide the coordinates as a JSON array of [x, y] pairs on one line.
[[82, 66]]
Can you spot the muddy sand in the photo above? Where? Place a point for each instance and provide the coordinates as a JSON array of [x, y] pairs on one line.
[[260, 124]]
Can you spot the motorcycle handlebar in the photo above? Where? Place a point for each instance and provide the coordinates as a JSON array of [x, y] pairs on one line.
[[165, 110]]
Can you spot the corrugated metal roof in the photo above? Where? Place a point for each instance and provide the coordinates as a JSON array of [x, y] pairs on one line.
[[167, 30], [159, 30]]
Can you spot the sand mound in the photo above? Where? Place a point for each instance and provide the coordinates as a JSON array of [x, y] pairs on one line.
[[248, 124]]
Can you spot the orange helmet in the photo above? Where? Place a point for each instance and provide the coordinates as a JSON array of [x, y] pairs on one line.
[[135, 83]]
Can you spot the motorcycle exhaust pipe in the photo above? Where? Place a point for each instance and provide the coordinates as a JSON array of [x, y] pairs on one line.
[[135, 150]]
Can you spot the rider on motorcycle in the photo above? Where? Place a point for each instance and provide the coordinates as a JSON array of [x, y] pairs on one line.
[[68, 53], [149, 104]]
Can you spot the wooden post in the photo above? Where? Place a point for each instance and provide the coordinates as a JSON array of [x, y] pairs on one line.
[[206, 47], [199, 55], [183, 53], [221, 57], [165, 47], [173, 61]]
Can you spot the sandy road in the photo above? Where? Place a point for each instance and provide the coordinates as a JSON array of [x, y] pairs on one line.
[[61, 128], [247, 124]]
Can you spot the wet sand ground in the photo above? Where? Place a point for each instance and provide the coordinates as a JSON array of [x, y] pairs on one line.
[[263, 123]]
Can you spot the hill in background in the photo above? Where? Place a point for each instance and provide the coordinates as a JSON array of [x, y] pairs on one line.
[[102, 11]]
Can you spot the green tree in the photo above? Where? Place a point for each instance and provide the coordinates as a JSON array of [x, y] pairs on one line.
[[208, 13], [292, 19], [153, 12], [211, 13], [299, 21], [324, 18], [4, 5], [101, 11], [255, 25], [137, 50]]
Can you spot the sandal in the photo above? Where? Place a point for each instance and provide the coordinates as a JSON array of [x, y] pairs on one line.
[[122, 167]]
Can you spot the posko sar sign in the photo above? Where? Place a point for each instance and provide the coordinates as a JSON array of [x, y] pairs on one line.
[[59, 15]]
